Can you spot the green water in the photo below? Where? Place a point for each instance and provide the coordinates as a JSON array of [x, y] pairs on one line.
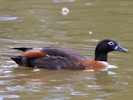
[[40, 23]]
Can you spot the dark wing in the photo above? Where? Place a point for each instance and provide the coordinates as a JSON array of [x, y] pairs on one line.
[[62, 52]]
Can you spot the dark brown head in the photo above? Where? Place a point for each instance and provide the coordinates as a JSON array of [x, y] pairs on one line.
[[20, 60], [106, 46]]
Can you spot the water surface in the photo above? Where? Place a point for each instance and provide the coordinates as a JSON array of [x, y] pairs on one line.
[[40, 23]]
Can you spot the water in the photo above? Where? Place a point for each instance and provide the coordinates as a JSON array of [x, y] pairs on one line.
[[39, 23]]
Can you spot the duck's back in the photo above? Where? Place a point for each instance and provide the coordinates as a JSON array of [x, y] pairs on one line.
[[62, 52]]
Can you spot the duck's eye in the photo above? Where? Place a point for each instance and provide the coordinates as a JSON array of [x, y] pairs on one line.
[[111, 43]]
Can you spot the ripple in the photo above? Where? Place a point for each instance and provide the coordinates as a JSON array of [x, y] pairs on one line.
[[8, 18], [63, 22], [74, 92], [5, 72], [2, 97], [62, 1], [112, 66], [8, 40], [15, 88], [78, 93], [3, 82], [63, 98], [91, 40], [8, 65], [26, 41], [97, 87]]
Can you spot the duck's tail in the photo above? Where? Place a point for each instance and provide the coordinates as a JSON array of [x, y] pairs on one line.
[[22, 49]]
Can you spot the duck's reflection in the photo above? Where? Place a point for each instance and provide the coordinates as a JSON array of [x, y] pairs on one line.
[[102, 76]]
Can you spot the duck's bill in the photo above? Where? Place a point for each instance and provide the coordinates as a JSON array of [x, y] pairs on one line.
[[121, 49]]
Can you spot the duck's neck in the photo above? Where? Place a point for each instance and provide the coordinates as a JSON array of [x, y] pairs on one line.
[[101, 57]]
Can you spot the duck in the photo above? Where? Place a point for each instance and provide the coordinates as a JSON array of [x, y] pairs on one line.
[[63, 58]]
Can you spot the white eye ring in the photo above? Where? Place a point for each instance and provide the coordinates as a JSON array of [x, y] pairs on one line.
[[111, 43]]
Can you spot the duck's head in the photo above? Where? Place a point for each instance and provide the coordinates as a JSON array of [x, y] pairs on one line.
[[106, 46]]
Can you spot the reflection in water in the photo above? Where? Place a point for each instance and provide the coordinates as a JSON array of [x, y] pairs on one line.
[[58, 83], [104, 83], [102, 77]]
